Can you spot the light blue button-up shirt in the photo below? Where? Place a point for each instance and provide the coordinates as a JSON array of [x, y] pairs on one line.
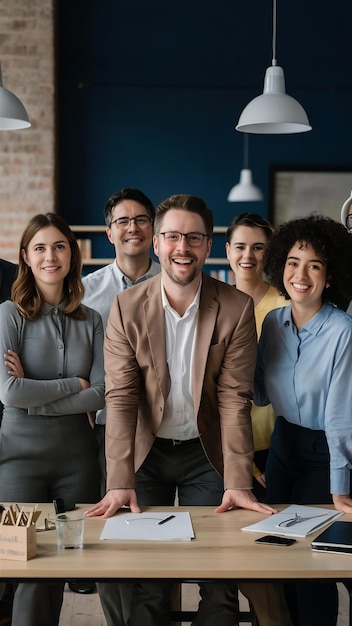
[[100, 289], [307, 377], [101, 286]]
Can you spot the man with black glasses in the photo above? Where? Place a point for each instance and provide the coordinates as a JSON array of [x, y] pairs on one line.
[[180, 353], [129, 217]]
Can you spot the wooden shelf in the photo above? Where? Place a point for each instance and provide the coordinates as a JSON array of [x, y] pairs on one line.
[[82, 228], [97, 261], [88, 229], [210, 261], [216, 261]]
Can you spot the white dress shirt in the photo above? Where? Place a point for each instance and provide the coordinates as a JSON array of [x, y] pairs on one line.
[[179, 420]]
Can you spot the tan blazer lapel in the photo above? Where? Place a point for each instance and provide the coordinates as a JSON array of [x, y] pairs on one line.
[[155, 322], [207, 316]]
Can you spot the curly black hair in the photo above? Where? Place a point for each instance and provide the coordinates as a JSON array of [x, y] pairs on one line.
[[330, 241]]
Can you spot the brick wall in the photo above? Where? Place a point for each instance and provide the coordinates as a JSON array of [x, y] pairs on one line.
[[27, 162]]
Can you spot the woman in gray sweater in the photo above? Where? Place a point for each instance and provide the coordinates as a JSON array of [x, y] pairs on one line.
[[51, 382]]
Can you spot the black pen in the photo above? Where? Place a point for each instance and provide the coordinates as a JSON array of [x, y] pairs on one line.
[[167, 519]]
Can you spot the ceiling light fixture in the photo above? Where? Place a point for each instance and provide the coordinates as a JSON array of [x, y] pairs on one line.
[[274, 112], [13, 115], [245, 191], [345, 211]]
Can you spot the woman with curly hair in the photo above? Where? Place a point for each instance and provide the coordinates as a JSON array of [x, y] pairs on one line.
[[51, 379], [304, 370]]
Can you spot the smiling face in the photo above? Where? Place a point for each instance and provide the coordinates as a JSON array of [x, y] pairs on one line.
[[245, 253], [181, 263], [49, 256], [130, 240], [305, 277]]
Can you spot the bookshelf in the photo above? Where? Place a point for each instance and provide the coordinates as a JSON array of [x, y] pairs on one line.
[[89, 260]]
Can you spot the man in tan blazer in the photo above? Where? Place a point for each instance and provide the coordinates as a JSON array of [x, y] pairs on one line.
[[180, 355]]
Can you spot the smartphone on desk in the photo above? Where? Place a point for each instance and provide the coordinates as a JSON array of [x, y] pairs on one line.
[[272, 540]]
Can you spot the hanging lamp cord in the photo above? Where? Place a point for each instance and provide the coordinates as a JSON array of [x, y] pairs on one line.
[[245, 151], [274, 61]]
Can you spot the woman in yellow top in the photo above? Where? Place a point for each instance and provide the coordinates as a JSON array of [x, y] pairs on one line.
[[246, 239]]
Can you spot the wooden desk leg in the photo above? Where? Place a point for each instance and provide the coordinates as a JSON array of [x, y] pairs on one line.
[[176, 600]]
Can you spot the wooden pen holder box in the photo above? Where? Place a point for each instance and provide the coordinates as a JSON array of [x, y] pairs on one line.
[[18, 543]]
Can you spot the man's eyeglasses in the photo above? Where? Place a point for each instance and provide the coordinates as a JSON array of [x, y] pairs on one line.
[[124, 222], [349, 221], [173, 237]]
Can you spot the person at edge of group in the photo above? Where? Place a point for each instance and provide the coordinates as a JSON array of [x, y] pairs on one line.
[[179, 381], [129, 218], [346, 220], [51, 381], [8, 272], [246, 240], [304, 370]]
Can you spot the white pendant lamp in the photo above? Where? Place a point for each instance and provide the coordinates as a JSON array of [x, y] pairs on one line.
[[245, 191], [13, 115], [345, 211], [274, 112]]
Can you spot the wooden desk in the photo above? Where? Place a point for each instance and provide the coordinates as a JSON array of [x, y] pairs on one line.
[[220, 550]]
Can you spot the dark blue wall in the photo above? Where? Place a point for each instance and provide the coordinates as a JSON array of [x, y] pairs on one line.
[[148, 92]]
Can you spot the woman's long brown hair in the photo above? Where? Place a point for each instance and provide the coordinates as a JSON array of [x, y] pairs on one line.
[[25, 293]]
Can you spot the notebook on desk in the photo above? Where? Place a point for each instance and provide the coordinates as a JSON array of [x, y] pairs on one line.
[[297, 520], [336, 538]]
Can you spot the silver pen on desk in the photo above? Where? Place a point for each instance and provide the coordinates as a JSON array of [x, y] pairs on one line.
[[167, 519]]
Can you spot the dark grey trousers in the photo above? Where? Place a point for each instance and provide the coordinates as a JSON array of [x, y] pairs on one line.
[[42, 458], [184, 468]]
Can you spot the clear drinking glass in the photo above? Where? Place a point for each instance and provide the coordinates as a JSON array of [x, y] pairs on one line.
[[69, 529]]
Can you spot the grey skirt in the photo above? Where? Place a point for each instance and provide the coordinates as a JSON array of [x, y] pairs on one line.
[[42, 458]]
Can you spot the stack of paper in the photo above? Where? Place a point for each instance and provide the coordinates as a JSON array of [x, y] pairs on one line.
[[149, 527], [295, 521]]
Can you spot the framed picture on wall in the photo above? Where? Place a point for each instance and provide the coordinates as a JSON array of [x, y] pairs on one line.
[[299, 191]]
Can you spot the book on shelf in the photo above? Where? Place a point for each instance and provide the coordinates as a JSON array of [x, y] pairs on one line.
[[225, 275], [85, 246]]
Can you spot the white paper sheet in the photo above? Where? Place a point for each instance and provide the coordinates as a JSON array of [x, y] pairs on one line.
[[146, 527], [309, 520]]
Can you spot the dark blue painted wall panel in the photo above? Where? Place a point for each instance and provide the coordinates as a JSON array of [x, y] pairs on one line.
[[148, 94]]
